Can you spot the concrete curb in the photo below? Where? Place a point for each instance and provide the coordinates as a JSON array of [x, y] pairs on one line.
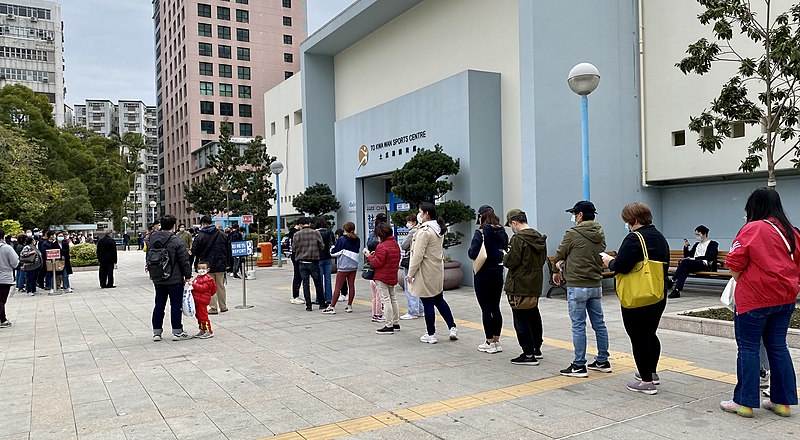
[[712, 327]]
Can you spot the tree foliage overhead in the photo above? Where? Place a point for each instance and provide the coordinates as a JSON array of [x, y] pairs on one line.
[[316, 200], [742, 28]]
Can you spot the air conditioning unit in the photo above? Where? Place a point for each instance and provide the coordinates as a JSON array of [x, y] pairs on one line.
[[34, 19], [11, 17], [45, 79], [49, 38]]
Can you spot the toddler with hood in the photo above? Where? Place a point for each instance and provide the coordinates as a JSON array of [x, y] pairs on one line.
[[203, 288]]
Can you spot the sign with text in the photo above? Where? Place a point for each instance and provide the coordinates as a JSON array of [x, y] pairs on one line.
[[247, 219], [53, 254], [370, 211], [242, 248]]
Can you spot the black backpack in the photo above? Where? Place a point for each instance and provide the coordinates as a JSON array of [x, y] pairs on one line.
[[159, 265]]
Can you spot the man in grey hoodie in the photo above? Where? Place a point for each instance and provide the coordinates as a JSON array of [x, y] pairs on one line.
[[578, 260]]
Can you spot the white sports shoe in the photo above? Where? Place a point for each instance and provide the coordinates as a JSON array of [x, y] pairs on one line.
[[348, 309], [489, 347], [297, 301], [454, 334], [428, 339], [408, 316]]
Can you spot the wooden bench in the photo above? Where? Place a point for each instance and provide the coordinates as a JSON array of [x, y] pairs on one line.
[[722, 272], [551, 264]]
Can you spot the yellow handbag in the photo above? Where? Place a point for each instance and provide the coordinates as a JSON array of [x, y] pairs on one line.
[[642, 286]]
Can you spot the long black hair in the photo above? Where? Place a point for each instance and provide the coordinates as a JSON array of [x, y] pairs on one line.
[[764, 203], [430, 209]]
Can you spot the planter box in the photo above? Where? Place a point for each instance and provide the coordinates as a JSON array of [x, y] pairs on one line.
[[712, 327]]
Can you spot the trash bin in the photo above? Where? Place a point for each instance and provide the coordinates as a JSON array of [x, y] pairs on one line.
[[265, 260]]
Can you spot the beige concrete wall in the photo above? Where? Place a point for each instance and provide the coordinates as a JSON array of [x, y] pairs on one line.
[[285, 100]]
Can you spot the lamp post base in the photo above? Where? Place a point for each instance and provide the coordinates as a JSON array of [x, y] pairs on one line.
[[244, 306]]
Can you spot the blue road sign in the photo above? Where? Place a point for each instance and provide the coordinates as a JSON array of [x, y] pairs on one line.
[[242, 248]]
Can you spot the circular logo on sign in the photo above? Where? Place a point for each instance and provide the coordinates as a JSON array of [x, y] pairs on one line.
[[363, 156]]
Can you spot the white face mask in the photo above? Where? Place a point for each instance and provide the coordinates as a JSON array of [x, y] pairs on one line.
[[572, 219], [627, 228], [60, 238], [31, 235], [409, 225], [419, 218], [202, 271]]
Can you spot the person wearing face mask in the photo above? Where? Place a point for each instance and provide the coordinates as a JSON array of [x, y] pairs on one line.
[[171, 288], [186, 236], [346, 253], [700, 258], [64, 243], [415, 309], [641, 323], [525, 260], [203, 288], [49, 244]]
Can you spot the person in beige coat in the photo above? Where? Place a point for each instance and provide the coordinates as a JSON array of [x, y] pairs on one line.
[[426, 271]]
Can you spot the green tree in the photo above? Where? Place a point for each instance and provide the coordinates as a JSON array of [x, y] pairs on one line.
[[316, 200], [741, 28]]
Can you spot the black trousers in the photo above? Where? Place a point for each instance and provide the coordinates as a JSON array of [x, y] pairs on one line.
[[685, 267], [106, 275], [311, 270], [489, 290], [297, 280], [173, 293], [528, 325], [4, 289], [641, 325]]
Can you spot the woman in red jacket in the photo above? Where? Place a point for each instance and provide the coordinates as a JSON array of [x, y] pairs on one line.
[[765, 260], [386, 261]]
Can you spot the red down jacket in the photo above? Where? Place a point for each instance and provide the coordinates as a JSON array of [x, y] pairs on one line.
[[386, 260]]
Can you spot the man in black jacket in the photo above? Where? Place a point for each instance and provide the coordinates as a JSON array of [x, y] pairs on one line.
[[107, 257], [211, 245], [699, 259], [172, 287]]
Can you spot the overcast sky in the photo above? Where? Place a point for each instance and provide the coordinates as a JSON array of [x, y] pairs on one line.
[[109, 50]]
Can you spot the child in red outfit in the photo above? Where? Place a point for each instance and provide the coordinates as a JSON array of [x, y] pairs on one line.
[[203, 288]]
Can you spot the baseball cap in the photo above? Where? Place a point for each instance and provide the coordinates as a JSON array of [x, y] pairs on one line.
[[483, 209], [513, 214], [583, 206], [380, 217]]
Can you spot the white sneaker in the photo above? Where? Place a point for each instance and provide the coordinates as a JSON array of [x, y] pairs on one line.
[[454, 334], [297, 301], [182, 336], [348, 309], [329, 311], [408, 316], [428, 339], [489, 347], [497, 347], [51, 292], [70, 290]]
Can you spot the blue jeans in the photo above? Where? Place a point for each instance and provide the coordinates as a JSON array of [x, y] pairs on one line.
[[31, 276], [580, 301], [414, 304], [49, 281], [65, 276], [771, 323], [325, 267], [20, 279]]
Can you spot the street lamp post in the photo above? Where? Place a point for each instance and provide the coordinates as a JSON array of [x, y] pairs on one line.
[[153, 208], [583, 80], [125, 224], [277, 168]]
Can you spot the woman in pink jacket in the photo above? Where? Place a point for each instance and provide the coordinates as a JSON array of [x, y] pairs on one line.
[[765, 260]]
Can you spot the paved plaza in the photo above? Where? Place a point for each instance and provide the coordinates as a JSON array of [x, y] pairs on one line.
[[84, 366]]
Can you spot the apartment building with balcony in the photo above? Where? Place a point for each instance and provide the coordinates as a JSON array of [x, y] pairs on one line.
[[215, 59], [31, 50]]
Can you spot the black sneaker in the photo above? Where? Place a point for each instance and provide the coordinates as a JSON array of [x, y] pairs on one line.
[[675, 294], [396, 327], [537, 353], [385, 331], [525, 359], [308, 309], [575, 371], [603, 367]]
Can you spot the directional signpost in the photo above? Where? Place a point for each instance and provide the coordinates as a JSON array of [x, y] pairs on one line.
[[53, 255], [243, 249]]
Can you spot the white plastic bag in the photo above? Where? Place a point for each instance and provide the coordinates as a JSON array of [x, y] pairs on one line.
[[727, 299], [188, 307]]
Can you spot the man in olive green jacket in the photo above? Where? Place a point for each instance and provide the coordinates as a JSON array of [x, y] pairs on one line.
[[578, 257], [525, 260]]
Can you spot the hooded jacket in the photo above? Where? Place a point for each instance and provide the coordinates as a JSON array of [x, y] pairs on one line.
[[212, 246], [386, 260], [203, 288], [179, 258], [9, 260], [346, 253], [426, 266], [580, 250], [525, 260]]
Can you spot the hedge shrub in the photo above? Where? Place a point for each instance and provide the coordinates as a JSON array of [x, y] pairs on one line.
[[82, 255]]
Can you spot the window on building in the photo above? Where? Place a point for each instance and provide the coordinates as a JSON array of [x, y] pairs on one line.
[[242, 54], [206, 69], [206, 108], [287, 3], [244, 72], [205, 49], [245, 129], [223, 13], [204, 29], [737, 129], [298, 117], [707, 132], [287, 39], [243, 35], [226, 109], [245, 111], [224, 51], [287, 57], [207, 127], [242, 2], [287, 74], [226, 90], [287, 21], [204, 10], [225, 71], [242, 16], [206, 88], [272, 129], [224, 32], [245, 92], [679, 138]]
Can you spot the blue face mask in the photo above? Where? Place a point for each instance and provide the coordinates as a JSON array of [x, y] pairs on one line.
[[627, 228]]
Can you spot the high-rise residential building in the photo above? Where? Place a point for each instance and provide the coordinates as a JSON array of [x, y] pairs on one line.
[[105, 117], [31, 49], [215, 59]]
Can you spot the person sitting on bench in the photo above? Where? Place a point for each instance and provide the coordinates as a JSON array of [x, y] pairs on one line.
[[699, 259]]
